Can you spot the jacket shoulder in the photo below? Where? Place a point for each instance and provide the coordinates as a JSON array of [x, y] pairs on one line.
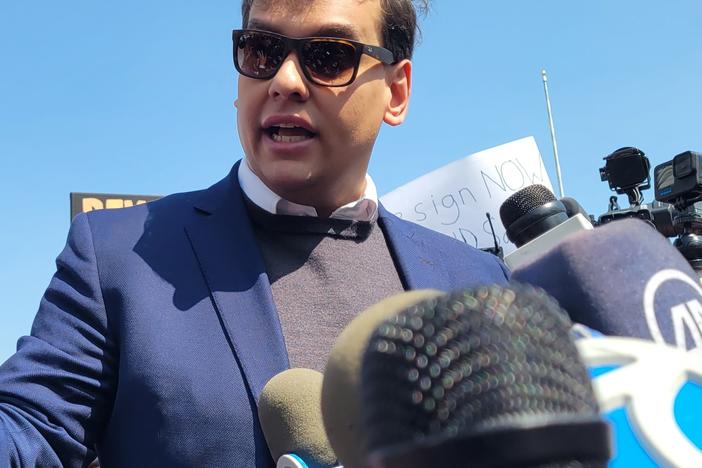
[[176, 203]]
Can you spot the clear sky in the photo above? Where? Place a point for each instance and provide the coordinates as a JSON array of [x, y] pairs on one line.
[[136, 97]]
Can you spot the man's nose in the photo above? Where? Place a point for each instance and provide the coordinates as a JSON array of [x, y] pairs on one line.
[[290, 81]]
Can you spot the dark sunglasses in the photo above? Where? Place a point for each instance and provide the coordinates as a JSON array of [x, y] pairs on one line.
[[326, 61]]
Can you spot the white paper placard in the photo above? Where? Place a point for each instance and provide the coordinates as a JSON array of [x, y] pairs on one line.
[[454, 199]]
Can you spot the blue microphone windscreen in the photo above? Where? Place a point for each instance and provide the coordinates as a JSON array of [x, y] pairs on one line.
[[623, 279]]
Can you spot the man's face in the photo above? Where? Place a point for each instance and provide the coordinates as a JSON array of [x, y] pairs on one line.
[[324, 167]]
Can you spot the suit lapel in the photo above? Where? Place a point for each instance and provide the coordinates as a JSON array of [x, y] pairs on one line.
[[233, 268], [416, 266]]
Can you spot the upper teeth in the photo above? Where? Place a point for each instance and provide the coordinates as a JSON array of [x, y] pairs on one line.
[[287, 125]]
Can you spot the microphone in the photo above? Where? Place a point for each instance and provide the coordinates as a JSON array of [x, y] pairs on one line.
[[289, 413], [535, 221], [623, 279], [341, 405], [482, 378], [572, 207]]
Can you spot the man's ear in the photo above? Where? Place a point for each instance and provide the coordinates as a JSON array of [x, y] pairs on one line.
[[400, 85]]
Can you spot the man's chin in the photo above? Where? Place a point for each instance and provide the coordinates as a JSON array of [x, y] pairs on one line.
[[289, 181]]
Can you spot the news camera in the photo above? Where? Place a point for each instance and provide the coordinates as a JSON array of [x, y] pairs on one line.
[[676, 211], [679, 182], [627, 172]]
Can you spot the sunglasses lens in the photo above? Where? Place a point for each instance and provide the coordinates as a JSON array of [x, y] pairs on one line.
[[259, 55], [330, 63]]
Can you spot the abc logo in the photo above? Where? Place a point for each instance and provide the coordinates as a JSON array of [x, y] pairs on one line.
[[686, 317], [657, 388]]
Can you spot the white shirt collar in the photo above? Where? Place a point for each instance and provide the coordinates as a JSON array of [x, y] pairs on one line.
[[363, 209]]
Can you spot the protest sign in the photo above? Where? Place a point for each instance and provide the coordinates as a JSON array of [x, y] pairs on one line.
[[454, 199]]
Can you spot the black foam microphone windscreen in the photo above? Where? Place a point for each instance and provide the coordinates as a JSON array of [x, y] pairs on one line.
[[483, 378], [530, 212]]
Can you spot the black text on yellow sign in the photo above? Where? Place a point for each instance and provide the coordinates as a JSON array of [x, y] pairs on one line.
[[84, 202]]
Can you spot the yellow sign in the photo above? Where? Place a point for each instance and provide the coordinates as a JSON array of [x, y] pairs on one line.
[[84, 202]]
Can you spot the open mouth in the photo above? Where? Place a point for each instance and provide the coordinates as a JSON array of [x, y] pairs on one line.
[[288, 133]]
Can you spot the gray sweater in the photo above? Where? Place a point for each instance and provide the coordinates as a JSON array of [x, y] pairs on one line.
[[323, 272]]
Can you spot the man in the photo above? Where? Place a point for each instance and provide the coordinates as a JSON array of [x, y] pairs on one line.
[[164, 321]]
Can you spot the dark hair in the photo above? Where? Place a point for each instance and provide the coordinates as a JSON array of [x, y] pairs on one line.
[[398, 29]]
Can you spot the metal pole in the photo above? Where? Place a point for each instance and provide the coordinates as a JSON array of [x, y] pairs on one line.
[[553, 134]]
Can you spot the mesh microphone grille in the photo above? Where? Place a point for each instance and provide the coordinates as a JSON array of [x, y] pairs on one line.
[[471, 361], [523, 201]]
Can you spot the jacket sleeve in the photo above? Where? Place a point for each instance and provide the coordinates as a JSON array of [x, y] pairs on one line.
[[56, 391]]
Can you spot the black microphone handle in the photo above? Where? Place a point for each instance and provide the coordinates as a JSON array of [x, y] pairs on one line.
[[537, 221], [553, 444]]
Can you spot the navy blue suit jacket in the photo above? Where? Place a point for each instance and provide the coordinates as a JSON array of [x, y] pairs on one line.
[[158, 332]]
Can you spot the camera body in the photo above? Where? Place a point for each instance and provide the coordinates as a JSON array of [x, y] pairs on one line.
[[679, 181], [626, 169], [627, 172]]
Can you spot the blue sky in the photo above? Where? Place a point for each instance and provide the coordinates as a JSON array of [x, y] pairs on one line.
[[136, 97]]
